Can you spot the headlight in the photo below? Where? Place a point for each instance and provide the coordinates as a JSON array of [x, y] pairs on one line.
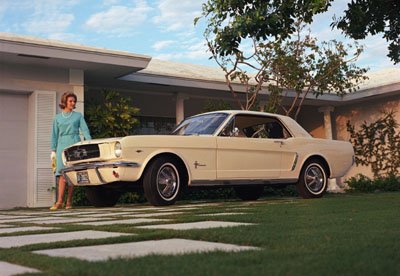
[[117, 149]]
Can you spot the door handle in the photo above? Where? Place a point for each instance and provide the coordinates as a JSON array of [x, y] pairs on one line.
[[279, 142]]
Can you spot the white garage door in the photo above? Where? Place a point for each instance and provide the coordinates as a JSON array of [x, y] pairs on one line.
[[13, 149]]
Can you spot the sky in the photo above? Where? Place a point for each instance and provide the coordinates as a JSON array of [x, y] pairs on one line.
[[162, 29]]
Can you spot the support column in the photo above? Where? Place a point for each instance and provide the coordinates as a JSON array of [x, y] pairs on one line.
[[333, 187], [180, 108], [76, 80]]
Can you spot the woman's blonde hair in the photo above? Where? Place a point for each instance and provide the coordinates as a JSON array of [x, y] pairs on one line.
[[64, 99]]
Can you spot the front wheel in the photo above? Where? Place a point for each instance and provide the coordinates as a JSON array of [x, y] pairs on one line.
[[162, 181], [249, 192], [313, 179]]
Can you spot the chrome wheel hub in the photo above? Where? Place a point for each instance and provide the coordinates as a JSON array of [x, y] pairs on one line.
[[314, 178], [167, 181]]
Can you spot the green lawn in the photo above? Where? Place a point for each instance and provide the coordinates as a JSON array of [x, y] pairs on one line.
[[352, 234]]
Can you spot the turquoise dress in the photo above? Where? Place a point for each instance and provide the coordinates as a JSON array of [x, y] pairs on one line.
[[66, 132]]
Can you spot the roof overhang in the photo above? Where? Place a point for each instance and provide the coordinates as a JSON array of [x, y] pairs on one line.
[[96, 62]]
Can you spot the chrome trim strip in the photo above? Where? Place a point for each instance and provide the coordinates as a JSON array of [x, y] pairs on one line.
[[96, 166], [242, 182], [295, 161]]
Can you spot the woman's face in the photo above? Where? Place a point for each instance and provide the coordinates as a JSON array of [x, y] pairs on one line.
[[71, 103]]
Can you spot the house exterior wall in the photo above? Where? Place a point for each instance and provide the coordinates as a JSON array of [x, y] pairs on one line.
[[22, 81], [357, 113], [13, 148]]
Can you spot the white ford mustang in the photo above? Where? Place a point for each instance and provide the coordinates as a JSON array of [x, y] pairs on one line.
[[241, 149]]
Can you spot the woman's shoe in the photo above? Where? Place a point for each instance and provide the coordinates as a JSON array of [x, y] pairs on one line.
[[68, 207], [56, 206]]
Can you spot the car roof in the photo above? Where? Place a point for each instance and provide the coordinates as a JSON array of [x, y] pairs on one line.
[[294, 127]]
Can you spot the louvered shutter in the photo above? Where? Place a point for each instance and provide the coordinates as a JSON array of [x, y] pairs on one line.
[[43, 105]]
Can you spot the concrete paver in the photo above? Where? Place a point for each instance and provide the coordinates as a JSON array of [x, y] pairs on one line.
[[143, 248], [5, 225], [222, 214], [59, 220], [2, 217], [121, 221], [108, 214], [16, 241], [195, 225], [147, 215], [24, 229], [28, 220], [8, 269]]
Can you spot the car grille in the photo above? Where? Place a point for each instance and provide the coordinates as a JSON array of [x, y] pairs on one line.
[[82, 152]]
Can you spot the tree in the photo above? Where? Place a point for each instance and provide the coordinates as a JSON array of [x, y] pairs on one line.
[[286, 60], [111, 115], [234, 20], [364, 17]]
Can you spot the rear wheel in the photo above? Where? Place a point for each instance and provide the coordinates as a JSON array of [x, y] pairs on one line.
[[162, 181], [249, 192], [313, 179], [100, 196]]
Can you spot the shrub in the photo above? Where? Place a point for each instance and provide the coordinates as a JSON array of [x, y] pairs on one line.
[[362, 183]]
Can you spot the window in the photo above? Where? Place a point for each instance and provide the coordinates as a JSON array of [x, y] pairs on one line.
[[200, 125], [251, 126]]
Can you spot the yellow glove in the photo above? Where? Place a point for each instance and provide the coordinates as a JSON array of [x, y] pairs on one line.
[[53, 161]]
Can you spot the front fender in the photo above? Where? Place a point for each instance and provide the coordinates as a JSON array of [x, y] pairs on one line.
[[156, 153]]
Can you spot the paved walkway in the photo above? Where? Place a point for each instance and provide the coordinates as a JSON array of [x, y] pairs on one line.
[[23, 228]]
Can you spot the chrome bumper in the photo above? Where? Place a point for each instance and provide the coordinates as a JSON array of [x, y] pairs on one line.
[[96, 166]]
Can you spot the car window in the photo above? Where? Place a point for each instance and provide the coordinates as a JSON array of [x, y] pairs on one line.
[[250, 126], [200, 125]]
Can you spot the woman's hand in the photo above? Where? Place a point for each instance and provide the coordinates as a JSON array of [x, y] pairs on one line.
[[53, 155]]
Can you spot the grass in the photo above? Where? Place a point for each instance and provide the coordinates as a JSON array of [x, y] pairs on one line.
[[353, 234]]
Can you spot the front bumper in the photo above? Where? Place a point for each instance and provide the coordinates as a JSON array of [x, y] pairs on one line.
[[100, 173]]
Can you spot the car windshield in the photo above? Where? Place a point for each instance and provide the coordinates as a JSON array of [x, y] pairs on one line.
[[200, 125]]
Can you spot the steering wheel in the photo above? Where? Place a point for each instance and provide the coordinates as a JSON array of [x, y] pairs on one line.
[[255, 134]]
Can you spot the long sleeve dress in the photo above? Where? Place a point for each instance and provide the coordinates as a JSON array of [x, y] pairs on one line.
[[66, 132]]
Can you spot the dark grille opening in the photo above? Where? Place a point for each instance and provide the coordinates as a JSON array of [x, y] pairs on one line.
[[82, 152]]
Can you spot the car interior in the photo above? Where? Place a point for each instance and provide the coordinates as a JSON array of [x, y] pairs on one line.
[[255, 127]]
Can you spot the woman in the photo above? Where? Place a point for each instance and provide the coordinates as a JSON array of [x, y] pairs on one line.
[[65, 132]]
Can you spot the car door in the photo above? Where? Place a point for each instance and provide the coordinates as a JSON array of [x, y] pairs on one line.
[[249, 151]]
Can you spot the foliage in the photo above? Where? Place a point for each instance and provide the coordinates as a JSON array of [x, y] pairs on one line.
[[232, 21], [111, 115], [131, 197], [216, 105], [292, 61], [362, 183], [377, 144], [364, 17], [79, 198]]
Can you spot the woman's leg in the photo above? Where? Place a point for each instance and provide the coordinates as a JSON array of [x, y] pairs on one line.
[[69, 195], [61, 189], [60, 195]]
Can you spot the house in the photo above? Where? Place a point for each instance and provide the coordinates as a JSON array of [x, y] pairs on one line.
[[34, 73]]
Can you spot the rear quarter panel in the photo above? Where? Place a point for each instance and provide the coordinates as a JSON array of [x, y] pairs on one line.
[[338, 154]]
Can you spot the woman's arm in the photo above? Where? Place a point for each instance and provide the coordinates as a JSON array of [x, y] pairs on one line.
[[84, 128], [54, 135]]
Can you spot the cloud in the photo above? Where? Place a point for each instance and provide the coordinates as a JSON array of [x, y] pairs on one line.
[[159, 45], [52, 24], [119, 20], [110, 2], [39, 17], [177, 15], [195, 51]]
